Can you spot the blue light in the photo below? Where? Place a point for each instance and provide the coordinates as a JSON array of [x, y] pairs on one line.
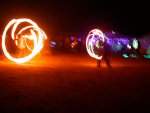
[[52, 44]]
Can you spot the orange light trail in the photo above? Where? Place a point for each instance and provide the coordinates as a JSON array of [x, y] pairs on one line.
[[36, 38]]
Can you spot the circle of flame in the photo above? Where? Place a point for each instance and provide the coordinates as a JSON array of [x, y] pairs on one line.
[[38, 40], [90, 39]]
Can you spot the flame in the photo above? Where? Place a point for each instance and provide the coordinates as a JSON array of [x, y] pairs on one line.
[[36, 38], [90, 39]]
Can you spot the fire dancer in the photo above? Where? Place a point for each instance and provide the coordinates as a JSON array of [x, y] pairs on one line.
[[105, 55]]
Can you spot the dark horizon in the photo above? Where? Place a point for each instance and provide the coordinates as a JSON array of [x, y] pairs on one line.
[[78, 17]]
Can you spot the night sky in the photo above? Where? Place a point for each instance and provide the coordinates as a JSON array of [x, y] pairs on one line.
[[58, 17]]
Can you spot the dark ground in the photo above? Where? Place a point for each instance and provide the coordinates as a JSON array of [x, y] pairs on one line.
[[73, 84]]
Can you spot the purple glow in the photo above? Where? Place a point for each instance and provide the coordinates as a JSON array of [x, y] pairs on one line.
[[72, 38], [79, 39]]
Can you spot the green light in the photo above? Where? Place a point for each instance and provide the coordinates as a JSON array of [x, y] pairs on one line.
[[133, 56], [97, 44], [146, 56], [125, 56]]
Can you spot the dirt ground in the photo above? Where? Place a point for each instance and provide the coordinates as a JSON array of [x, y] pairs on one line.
[[69, 83]]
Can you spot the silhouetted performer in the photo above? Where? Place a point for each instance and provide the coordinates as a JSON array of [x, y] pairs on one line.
[[105, 56]]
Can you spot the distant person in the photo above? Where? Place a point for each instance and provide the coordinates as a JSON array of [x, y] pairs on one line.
[[138, 50]]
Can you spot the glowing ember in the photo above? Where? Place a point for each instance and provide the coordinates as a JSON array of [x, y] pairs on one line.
[[36, 35], [94, 41]]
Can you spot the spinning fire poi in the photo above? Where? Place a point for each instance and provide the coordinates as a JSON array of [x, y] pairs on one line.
[[30, 37], [95, 43]]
